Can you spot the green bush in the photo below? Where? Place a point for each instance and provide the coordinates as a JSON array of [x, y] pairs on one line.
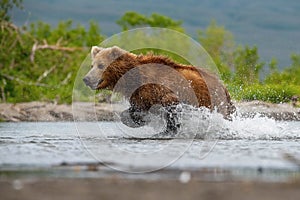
[[269, 93], [41, 62]]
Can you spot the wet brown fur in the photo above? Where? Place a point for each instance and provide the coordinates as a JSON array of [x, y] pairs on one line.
[[201, 81]]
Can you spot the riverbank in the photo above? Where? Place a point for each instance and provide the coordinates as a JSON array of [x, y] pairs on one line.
[[51, 112], [48, 112]]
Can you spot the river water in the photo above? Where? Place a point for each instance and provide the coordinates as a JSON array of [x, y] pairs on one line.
[[257, 144]]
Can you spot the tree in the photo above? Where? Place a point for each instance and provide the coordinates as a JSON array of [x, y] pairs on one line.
[[290, 75], [133, 19], [247, 66], [294, 69], [40, 62], [219, 43]]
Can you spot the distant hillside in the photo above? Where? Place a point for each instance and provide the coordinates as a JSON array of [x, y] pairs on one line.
[[272, 25]]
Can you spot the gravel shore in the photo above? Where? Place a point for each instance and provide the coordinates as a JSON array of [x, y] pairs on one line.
[[45, 111]]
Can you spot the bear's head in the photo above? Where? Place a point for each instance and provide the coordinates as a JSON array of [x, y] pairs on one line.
[[108, 66]]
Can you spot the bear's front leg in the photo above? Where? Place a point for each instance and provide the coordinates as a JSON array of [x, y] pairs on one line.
[[170, 115], [134, 118], [172, 121]]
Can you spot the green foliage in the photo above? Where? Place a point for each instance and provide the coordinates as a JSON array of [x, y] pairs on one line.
[[241, 68], [247, 66], [41, 62], [290, 75], [274, 93], [134, 20], [218, 42], [65, 34], [220, 45], [164, 39]]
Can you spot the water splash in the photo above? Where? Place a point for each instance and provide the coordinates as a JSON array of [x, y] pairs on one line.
[[259, 128], [204, 124]]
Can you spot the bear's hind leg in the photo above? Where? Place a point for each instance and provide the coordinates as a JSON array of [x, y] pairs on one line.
[[172, 122]]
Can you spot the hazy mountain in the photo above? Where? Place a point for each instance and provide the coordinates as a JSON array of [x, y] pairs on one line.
[[272, 25]]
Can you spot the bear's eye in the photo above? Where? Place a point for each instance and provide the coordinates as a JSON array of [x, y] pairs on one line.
[[100, 66], [91, 66]]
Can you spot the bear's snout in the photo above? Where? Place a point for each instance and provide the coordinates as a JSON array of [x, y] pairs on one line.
[[86, 80], [93, 84]]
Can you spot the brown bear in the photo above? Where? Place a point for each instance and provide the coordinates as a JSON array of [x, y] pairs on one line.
[[150, 80]]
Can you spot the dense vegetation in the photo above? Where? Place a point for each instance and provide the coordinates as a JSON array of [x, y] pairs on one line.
[[40, 62]]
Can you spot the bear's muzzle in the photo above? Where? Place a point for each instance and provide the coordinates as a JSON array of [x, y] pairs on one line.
[[93, 84]]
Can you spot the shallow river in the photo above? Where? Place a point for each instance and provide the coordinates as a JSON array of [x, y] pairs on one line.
[[257, 144]]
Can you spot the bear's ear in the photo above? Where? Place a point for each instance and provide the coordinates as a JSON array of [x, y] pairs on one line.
[[95, 50], [116, 52]]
